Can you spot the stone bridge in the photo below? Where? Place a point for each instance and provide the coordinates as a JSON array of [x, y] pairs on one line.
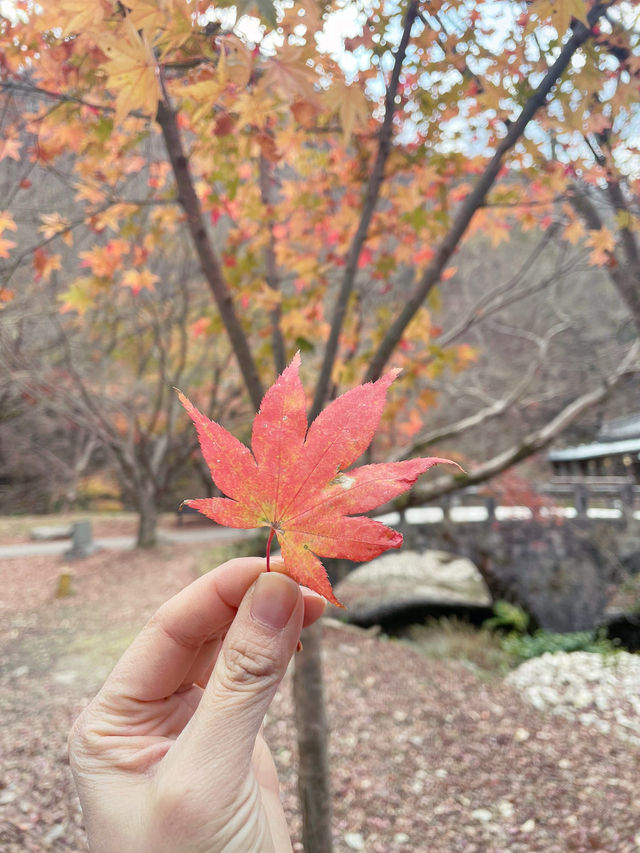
[[562, 571]]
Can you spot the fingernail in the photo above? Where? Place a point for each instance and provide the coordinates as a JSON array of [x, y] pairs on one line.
[[274, 599]]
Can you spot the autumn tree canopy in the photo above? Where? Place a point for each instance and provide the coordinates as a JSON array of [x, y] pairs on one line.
[[326, 162], [336, 168]]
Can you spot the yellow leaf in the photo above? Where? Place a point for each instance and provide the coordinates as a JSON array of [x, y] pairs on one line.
[[103, 261], [464, 356], [132, 73], [80, 296], [90, 191], [139, 280], [560, 12], [203, 92], [624, 219], [603, 244], [267, 299], [146, 15], [6, 221], [79, 16], [288, 73], [111, 218], [351, 105], [52, 224], [574, 232], [255, 108]]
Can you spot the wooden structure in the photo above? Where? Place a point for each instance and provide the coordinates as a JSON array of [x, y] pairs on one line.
[[606, 467]]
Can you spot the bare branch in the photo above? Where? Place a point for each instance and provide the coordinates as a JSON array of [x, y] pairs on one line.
[[624, 276], [495, 409], [431, 276], [368, 207], [273, 280], [535, 441]]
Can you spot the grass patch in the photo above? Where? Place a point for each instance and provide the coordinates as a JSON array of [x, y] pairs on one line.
[[19, 526], [213, 556], [452, 639]]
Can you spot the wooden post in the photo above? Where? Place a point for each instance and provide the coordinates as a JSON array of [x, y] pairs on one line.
[[581, 498]]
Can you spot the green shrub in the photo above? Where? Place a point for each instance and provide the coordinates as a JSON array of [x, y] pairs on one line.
[[452, 639], [527, 646], [507, 616]]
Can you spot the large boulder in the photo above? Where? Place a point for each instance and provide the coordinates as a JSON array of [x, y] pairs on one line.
[[407, 586]]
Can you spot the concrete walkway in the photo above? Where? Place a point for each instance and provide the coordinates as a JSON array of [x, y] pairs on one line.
[[121, 543], [415, 515]]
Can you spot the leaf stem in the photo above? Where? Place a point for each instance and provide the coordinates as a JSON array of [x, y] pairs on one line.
[[271, 532]]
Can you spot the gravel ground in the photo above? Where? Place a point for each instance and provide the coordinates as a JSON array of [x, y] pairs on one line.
[[427, 756], [602, 693]]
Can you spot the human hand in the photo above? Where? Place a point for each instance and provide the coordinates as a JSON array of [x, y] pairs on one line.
[[169, 756]]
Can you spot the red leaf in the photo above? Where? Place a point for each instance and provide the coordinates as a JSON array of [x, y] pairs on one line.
[[296, 480]]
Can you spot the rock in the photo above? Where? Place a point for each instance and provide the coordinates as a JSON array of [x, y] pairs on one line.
[[354, 840], [50, 532], [483, 815], [408, 581], [65, 677], [7, 796], [506, 809], [568, 683], [55, 833]]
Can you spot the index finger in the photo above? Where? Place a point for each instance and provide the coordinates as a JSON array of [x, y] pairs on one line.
[[155, 664]]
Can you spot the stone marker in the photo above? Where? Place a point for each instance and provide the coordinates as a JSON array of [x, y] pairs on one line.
[[82, 544]]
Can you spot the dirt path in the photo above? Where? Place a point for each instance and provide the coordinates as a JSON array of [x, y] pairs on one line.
[[427, 756]]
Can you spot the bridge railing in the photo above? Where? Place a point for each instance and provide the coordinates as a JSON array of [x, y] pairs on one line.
[[568, 500], [593, 492]]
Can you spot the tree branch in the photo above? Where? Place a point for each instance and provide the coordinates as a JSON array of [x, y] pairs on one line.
[[624, 276], [494, 410], [627, 237], [273, 280], [211, 267], [579, 35], [368, 208], [532, 443]]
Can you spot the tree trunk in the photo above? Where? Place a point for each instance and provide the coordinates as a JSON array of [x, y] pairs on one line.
[[147, 518], [313, 761]]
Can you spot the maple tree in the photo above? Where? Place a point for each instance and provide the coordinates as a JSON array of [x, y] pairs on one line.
[[296, 482], [326, 193], [97, 396]]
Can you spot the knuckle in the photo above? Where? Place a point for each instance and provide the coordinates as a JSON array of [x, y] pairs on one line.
[[81, 743], [247, 662]]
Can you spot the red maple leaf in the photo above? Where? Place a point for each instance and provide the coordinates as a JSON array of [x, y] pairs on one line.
[[293, 480]]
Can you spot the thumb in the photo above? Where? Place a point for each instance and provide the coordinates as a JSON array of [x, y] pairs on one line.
[[251, 664]]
